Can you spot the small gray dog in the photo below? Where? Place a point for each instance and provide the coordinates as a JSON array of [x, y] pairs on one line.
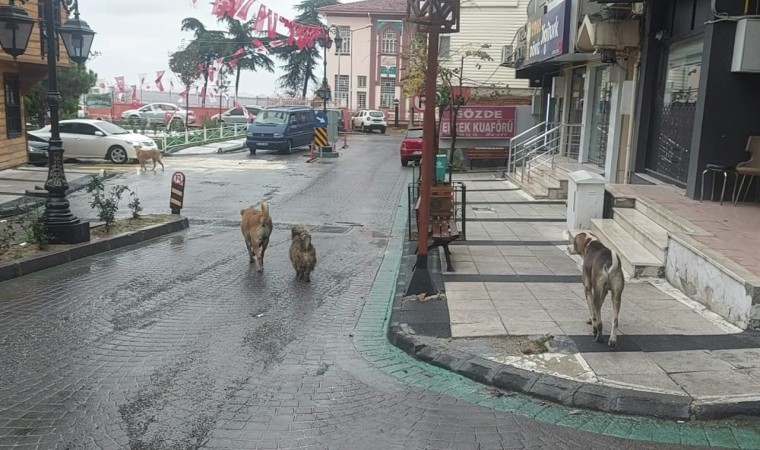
[[602, 273], [302, 252]]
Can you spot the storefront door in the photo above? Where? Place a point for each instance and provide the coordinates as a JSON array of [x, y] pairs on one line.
[[575, 113], [669, 146], [600, 117]]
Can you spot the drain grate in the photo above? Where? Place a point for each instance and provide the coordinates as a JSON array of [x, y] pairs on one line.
[[331, 229]]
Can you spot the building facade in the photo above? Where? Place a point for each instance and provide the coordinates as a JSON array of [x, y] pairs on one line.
[[700, 95], [18, 77], [581, 58], [494, 22], [364, 72]]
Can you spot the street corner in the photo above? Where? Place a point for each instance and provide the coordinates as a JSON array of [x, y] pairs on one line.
[[24, 258]]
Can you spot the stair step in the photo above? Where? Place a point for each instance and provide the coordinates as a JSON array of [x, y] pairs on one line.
[[533, 189], [663, 218], [637, 261], [650, 235]]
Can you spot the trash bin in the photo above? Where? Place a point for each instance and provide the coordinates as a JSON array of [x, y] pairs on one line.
[[440, 168], [585, 199]]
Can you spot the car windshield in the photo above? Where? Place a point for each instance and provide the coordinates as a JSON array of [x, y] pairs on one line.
[[110, 128], [414, 133], [376, 113], [272, 117]]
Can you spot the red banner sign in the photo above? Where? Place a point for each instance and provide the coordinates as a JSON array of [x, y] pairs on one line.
[[481, 122]]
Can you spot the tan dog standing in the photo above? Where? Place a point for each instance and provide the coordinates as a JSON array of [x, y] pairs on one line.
[[602, 273], [256, 226], [144, 155]]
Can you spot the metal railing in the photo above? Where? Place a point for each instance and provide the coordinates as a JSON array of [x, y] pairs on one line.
[[540, 146], [173, 141]]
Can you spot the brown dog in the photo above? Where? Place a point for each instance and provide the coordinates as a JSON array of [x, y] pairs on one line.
[[302, 253], [256, 227], [144, 155], [602, 273]]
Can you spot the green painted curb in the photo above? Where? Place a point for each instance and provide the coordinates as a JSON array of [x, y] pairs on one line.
[[371, 342]]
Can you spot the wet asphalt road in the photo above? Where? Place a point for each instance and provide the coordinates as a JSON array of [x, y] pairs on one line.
[[179, 344]]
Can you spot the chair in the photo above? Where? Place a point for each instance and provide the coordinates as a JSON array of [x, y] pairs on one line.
[[749, 168], [716, 169]]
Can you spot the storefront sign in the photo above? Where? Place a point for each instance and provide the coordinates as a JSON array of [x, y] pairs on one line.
[[481, 122], [547, 32]]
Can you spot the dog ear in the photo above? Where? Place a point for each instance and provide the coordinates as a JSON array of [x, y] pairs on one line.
[[588, 240]]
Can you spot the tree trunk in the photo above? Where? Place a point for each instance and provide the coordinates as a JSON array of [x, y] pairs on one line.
[[307, 76]]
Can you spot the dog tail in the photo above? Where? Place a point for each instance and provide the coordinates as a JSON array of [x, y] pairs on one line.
[[615, 263], [264, 209]]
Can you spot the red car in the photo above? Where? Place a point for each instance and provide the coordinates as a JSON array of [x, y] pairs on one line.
[[411, 146]]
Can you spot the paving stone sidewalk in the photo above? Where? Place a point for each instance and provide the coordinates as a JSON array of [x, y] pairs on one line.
[[516, 301]]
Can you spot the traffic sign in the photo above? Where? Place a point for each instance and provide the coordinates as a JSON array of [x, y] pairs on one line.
[[419, 102], [178, 192]]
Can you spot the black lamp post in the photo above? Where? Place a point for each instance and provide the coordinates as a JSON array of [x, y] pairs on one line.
[[15, 29], [395, 112], [324, 92]]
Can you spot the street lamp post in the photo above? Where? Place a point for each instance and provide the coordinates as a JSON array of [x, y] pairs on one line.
[[15, 30], [395, 112], [326, 41]]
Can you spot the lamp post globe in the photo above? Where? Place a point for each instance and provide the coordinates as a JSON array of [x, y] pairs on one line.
[[15, 29], [77, 38]]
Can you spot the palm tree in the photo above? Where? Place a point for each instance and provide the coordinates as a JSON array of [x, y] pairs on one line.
[[214, 44], [239, 36]]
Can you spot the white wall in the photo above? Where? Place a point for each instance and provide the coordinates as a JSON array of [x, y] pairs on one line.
[[358, 62], [488, 21]]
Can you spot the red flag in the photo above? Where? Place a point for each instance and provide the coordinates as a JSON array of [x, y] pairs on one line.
[[238, 53], [242, 12], [278, 43], [261, 19], [203, 92], [272, 20], [184, 93], [134, 93], [158, 82], [259, 46], [120, 84]]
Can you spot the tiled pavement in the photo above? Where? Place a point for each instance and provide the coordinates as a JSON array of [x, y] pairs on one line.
[[515, 277]]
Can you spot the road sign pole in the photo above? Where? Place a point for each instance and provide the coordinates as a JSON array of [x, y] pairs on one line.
[[177, 197]]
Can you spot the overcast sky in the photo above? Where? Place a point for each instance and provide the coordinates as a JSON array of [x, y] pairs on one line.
[[135, 37]]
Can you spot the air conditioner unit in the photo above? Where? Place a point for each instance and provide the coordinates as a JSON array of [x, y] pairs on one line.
[[506, 54]]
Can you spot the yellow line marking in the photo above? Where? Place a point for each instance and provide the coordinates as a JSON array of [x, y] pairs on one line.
[[176, 191], [174, 201]]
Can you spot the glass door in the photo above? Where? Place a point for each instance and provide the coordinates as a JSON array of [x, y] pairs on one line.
[[669, 146], [600, 117]]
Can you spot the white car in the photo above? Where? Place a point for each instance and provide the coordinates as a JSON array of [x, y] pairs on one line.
[[368, 120], [98, 139], [158, 113]]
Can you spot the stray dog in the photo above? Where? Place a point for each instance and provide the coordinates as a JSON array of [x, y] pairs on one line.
[[302, 253], [256, 227], [144, 155], [602, 272]]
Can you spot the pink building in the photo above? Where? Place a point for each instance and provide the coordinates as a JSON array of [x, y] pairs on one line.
[[365, 72]]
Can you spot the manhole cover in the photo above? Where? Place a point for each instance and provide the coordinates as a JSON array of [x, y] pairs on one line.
[[331, 229]]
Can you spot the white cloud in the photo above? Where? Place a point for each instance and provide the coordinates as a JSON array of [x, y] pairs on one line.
[[136, 37]]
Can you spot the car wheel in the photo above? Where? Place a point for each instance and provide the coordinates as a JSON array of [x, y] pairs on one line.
[[117, 155], [252, 150], [404, 162], [365, 129], [382, 130], [134, 120], [289, 147], [40, 164]]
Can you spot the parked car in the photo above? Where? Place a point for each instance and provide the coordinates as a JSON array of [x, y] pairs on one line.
[[97, 139], [411, 146], [281, 128], [369, 120], [237, 115], [158, 113], [37, 150]]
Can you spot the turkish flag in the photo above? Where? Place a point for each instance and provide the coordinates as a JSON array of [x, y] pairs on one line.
[[120, 84], [159, 83]]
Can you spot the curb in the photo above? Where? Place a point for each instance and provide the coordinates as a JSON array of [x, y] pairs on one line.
[[9, 209], [26, 266], [564, 391]]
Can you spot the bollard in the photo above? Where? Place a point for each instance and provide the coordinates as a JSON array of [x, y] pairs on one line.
[[177, 193]]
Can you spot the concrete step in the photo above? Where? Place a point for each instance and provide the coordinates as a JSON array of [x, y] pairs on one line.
[[637, 261], [554, 189], [651, 236], [666, 219], [556, 176], [533, 189]]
